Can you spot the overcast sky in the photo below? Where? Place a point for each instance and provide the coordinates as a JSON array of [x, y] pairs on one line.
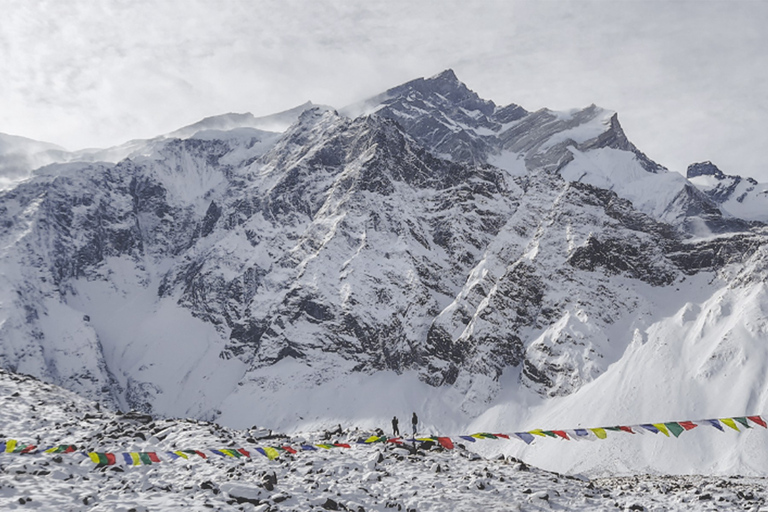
[[689, 79]]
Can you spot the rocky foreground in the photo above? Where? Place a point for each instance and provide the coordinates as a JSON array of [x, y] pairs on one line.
[[363, 477]]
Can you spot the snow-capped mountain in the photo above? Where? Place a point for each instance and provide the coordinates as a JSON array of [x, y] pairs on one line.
[[742, 197], [586, 145], [20, 156], [426, 247]]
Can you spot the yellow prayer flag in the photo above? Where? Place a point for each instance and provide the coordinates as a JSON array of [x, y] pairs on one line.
[[272, 454], [94, 457], [10, 445], [662, 428], [135, 458], [599, 432], [537, 432], [730, 423], [181, 454]]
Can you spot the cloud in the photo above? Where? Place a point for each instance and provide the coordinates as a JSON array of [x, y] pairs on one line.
[[686, 77]]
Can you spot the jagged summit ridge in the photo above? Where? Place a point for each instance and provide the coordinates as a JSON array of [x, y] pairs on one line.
[[452, 122], [704, 169]]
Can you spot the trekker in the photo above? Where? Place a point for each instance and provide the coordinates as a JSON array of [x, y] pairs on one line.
[[395, 428], [414, 422]]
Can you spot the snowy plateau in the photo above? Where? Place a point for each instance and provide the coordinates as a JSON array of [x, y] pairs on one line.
[[490, 268]]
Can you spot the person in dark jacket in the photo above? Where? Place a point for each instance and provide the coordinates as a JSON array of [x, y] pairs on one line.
[[414, 422], [395, 427]]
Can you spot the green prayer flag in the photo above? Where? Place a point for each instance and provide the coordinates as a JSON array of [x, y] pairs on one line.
[[675, 428], [743, 421]]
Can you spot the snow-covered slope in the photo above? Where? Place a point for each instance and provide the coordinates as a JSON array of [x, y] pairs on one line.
[[483, 265]]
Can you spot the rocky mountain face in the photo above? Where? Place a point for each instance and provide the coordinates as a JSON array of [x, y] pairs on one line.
[[426, 230]]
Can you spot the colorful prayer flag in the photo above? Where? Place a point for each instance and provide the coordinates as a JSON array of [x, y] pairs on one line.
[[525, 436], [675, 428], [743, 421], [599, 432], [716, 424], [271, 453]]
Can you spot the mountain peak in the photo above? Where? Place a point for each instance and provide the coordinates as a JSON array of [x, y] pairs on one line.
[[704, 169], [448, 75]]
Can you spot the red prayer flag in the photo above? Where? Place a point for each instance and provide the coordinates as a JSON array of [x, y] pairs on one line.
[[110, 458], [687, 425], [289, 449], [244, 452], [757, 419], [445, 442], [560, 433], [201, 454], [342, 445], [627, 429], [503, 436], [28, 449], [153, 456]]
